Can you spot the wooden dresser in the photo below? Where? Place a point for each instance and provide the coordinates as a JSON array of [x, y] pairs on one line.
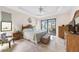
[[61, 32], [17, 35], [72, 42]]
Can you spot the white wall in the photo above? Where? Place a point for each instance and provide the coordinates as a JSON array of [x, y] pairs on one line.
[[18, 18], [66, 18], [21, 19], [61, 19]]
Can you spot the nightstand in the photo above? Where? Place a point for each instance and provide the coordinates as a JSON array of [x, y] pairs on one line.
[[17, 35]]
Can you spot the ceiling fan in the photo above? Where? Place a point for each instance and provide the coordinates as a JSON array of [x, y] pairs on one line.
[[41, 10]]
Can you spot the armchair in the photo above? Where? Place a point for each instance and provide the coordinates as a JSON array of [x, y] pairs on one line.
[[5, 39]]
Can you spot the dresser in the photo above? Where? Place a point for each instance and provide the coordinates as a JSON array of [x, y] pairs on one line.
[[72, 44], [61, 32]]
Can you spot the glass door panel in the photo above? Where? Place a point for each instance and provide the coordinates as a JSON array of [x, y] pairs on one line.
[[49, 25], [44, 25], [52, 26]]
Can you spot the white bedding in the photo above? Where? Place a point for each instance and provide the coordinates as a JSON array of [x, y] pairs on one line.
[[33, 35]]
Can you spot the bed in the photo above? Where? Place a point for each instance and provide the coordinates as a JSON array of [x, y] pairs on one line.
[[31, 34]]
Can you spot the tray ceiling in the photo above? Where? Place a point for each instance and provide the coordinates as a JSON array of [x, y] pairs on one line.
[[46, 10]]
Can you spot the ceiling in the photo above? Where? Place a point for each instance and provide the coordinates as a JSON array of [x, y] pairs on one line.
[[46, 10]]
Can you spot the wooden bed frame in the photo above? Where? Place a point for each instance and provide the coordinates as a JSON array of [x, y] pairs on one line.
[[27, 26]]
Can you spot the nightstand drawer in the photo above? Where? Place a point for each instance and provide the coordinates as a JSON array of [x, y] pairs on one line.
[[17, 35]]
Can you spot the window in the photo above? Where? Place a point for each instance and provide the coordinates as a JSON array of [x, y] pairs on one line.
[[6, 26], [6, 22]]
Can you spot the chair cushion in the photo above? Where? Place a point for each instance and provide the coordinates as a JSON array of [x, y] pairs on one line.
[[3, 36]]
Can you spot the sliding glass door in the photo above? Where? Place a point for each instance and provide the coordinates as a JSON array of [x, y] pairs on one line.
[[49, 25], [44, 25], [52, 26]]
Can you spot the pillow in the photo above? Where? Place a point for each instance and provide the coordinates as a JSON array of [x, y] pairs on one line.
[[28, 30]]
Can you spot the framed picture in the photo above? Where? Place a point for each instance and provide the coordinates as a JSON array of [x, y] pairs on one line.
[[6, 26]]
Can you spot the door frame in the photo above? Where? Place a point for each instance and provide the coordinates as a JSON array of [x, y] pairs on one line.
[[47, 23]]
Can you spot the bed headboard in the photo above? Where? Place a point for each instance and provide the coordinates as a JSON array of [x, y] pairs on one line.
[[27, 26]]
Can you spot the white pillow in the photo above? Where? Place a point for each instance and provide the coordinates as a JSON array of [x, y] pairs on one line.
[[28, 30]]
